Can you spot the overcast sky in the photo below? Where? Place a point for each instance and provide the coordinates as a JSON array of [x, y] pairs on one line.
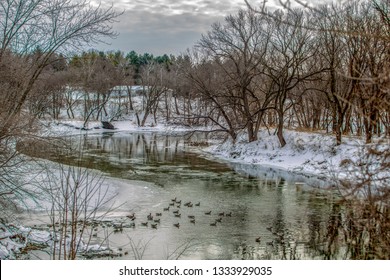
[[166, 26]]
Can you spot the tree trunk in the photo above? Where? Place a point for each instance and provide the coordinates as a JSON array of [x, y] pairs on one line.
[[282, 141], [130, 99], [252, 136], [176, 105], [338, 133], [167, 107]]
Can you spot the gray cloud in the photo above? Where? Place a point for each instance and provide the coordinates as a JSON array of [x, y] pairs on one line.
[[159, 33], [169, 7], [167, 26]]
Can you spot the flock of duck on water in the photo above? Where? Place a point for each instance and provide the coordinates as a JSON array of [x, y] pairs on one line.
[[174, 207]]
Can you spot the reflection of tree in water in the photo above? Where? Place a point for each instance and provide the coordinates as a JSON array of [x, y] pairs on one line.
[[112, 150], [283, 242], [363, 229], [318, 236], [333, 244], [279, 222], [117, 153], [354, 230], [316, 222]]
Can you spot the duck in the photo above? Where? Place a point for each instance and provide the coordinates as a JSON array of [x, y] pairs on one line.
[[172, 204], [228, 214], [150, 217], [154, 226], [178, 215], [118, 229], [258, 239], [218, 220], [213, 224], [177, 225], [131, 216], [221, 214], [156, 220], [166, 209], [192, 221], [158, 214], [178, 201], [197, 204], [175, 212], [208, 213], [145, 224], [191, 216], [173, 199], [187, 203], [118, 226]]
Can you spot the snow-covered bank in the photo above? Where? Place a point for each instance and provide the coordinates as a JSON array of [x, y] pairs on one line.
[[74, 127], [17, 240], [306, 153]]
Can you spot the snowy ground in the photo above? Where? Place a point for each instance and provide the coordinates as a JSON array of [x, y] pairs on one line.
[[304, 153]]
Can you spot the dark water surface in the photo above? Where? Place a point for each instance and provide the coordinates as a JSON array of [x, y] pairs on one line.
[[289, 215]]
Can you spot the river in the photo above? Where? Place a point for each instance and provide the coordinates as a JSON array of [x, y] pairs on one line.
[[256, 212]]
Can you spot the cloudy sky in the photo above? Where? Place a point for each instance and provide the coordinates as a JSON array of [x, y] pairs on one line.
[[166, 26]]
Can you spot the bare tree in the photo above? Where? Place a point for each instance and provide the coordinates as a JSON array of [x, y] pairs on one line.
[[207, 82], [154, 86], [32, 33], [355, 68], [50, 26], [78, 202], [238, 48], [289, 61]]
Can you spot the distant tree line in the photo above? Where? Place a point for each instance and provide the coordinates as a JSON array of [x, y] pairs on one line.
[[317, 69]]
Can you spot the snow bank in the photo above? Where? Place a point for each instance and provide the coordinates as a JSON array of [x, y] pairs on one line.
[[305, 152]]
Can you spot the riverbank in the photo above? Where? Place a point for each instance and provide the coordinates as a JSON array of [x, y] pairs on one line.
[[306, 153]]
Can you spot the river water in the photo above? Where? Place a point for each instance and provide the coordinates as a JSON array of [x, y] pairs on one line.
[[264, 213]]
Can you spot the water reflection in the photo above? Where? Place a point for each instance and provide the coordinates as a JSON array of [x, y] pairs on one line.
[[290, 217]]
